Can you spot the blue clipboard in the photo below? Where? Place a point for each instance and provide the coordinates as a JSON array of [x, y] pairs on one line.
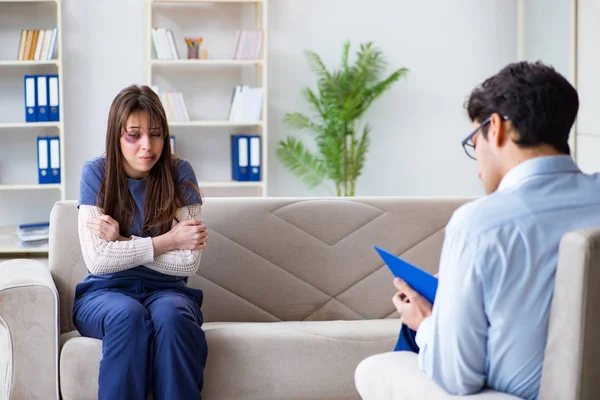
[[423, 282]]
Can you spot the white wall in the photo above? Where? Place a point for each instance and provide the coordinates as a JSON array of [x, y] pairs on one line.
[[548, 33], [417, 127], [588, 85], [103, 53]]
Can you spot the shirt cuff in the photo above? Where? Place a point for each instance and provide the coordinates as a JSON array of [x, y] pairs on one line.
[[424, 332]]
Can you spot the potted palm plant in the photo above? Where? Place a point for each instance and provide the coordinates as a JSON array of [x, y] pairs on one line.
[[342, 98]]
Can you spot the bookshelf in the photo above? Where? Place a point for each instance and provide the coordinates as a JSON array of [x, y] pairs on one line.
[[207, 84], [22, 198]]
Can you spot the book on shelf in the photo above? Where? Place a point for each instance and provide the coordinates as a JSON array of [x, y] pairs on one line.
[[174, 106], [164, 44], [246, 104], [33, 235], [248, 44], [37, 44]]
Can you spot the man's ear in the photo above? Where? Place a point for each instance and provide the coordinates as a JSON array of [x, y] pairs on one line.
[[496, 132]]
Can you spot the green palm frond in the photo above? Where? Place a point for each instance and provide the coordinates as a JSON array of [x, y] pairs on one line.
[[360, 152], [312, 99], [301, 121], [369, 65], [301, 162], [364, 99], [333, 154], [317, 65]]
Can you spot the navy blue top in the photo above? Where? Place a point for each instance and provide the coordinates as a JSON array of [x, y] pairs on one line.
[[92, 176]]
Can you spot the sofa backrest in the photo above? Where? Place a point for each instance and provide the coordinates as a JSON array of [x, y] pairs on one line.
[[571, 368], [288, 259]]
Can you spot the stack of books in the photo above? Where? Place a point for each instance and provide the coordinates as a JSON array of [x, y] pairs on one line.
[[246, 104], [163, 44], [37, 44], [248, 44], [175, 107], [33, 235]]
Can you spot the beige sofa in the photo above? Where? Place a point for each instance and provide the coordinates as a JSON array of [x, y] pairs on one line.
[[295, 298]]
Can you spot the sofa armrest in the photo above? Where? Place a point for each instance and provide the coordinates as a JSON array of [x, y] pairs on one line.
[[397, 376], [28, 331]]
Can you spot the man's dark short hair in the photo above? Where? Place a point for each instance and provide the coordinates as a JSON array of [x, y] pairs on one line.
[[540, 103]]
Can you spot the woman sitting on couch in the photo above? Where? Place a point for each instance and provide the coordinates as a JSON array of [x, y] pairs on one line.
[[141, 234]]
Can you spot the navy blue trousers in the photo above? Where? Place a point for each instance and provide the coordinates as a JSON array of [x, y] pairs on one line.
[[406, 340], [152, 337]]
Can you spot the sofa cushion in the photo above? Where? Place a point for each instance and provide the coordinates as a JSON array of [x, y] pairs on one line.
[[265, 360]]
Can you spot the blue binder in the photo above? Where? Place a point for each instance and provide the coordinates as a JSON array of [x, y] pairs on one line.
[[43, 153], [54, 154], [42, 98], [255, 158], [38, 225], [239, 158], [53, 98], [424, 283], [30, 98]]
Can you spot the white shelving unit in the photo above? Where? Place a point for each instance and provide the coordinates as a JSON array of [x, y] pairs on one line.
[[207, 84], [18, 139]]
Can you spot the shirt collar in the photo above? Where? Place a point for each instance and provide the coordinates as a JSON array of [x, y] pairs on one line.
[[538, 166]]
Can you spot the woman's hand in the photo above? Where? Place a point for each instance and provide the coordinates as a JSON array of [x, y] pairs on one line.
[[189, 234], [106, 227]]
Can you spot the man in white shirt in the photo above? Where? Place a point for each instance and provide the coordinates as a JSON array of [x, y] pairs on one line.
[[489, 324]]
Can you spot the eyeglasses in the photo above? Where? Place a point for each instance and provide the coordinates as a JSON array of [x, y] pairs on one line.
[[468, 144]]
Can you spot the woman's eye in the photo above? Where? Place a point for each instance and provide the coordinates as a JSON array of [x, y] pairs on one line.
[[156, 134], [133, 135]]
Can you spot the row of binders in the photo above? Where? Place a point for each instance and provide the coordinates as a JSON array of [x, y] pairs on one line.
[[246, 104], [48, 153], [248, 44], [33, 235], [37, 44], [246, 157], [163, 44], [41, 98]]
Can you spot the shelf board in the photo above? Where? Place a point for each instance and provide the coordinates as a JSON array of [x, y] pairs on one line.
[[32, 186], [17, 63], [214, 123], [228, 184], [198, 63], [29, 124], [28, 1], [9, 242]]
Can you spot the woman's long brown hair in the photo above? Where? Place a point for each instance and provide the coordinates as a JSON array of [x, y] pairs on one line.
[[162, 196]]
